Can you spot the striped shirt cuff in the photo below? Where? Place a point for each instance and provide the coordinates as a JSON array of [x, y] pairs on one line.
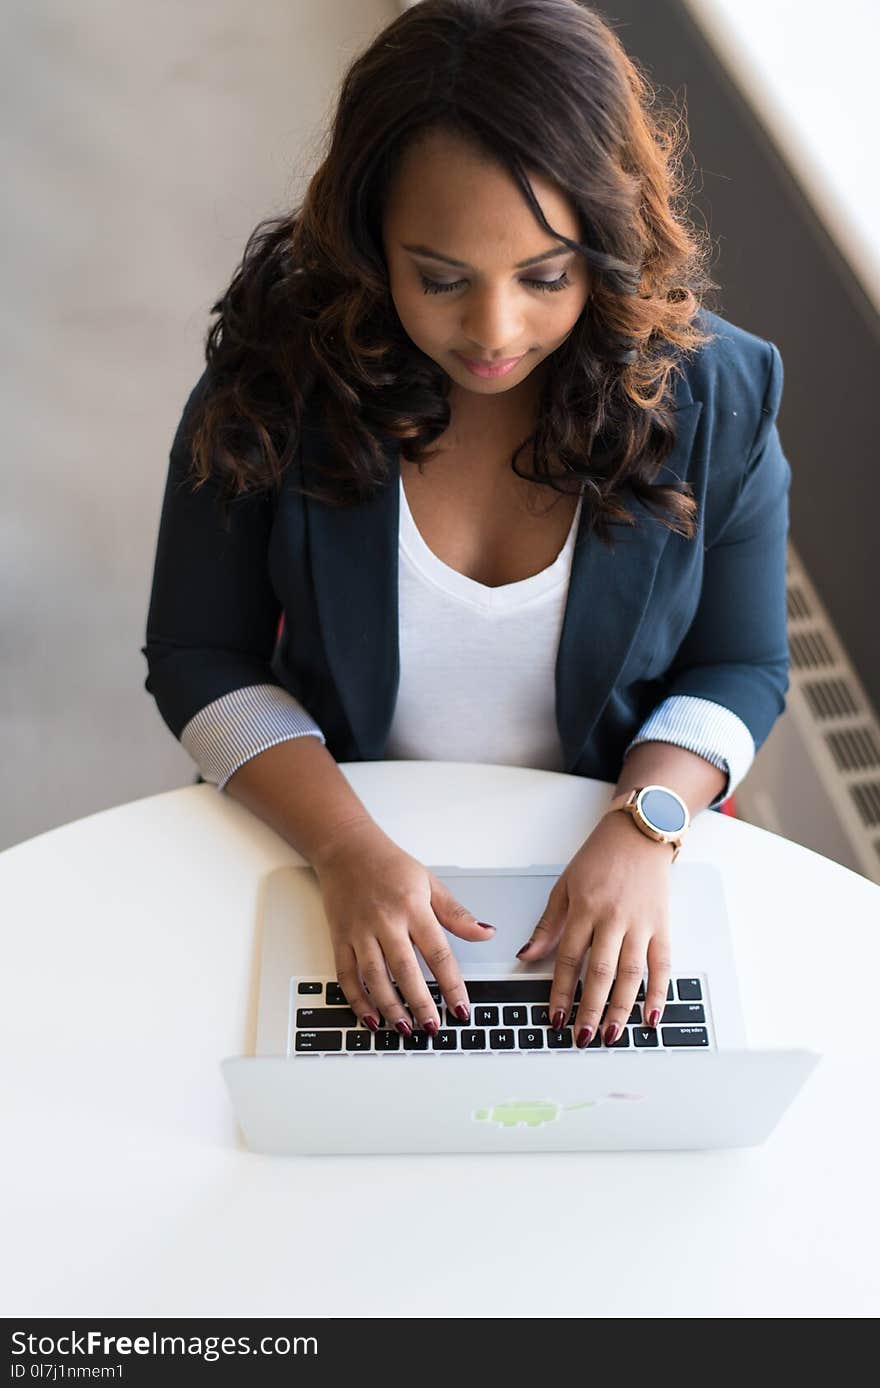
[[226, 733], [704, 727]]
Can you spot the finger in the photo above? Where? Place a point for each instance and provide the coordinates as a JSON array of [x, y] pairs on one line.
[[411, 982], [659, 968], [573, 946], [434, 949], [630, 968], [374, 970], [604, 953], [454, 917], [349, 979], [549, 927]]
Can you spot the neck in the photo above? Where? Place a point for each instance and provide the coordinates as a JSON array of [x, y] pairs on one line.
[[493, 421]]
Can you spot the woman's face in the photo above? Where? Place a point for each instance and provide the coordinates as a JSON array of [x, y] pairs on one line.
[[448, 200]]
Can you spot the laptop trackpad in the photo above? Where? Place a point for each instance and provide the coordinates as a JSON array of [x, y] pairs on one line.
[[512, 903]]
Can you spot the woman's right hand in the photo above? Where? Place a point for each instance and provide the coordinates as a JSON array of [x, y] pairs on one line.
[[380, 902]]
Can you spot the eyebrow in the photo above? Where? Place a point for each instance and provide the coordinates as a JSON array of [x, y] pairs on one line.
[[463, 265]]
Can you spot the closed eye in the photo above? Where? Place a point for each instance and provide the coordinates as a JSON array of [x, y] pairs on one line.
[[548, 286]]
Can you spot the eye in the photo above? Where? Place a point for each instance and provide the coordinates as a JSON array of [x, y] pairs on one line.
[[547, 286]]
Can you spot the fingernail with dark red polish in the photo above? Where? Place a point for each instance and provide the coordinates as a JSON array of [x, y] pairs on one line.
[[371, 1023], [584, 1035], [485, 925], [521, 952], [462, 1012], [404, 1028], [558, 1019], [612, 1034], [431, 1027], [654, 1017]]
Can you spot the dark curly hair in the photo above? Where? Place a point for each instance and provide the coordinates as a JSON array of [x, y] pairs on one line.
[[308, 315]]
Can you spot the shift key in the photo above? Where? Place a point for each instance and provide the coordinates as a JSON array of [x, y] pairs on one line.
[[325, 1017], [691, 1012]]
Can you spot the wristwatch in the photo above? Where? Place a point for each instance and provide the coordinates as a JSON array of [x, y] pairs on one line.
[[658, 811]]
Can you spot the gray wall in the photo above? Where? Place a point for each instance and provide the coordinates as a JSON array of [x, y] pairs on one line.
[[143, 142]]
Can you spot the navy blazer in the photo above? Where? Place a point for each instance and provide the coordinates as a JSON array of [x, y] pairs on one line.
[[659, 616]]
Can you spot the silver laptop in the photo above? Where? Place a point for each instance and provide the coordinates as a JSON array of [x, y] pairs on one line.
[[504, 1081]]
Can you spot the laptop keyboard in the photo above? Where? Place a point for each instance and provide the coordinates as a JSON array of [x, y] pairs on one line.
[[507, 1014]]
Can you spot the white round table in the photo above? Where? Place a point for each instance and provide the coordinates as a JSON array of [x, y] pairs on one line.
[[130, 971]]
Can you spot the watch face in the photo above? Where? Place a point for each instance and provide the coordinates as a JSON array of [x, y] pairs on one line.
[[662, 810]]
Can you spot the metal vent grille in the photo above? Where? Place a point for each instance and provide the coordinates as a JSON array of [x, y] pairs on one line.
[[867, 799], [809, 650], [830, 698], [798, 607], [839, 726], [855, 749]]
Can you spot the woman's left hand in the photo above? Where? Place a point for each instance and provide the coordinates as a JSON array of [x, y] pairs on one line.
[[614, 898]]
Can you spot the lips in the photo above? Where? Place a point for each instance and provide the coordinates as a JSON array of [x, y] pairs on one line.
[[488, 361], [483, 368]]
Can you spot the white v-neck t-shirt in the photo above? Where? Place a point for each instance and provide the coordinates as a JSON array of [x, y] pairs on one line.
[[477, 664]]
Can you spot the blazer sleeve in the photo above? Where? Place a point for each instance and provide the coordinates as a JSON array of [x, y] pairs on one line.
[[706, 728], [735, 653], [213, 621]]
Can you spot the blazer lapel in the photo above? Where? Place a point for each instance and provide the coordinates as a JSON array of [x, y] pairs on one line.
[[354, 557], [607, 597], [354, 563]]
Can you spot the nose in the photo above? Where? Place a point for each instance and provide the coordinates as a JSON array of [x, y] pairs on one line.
[[493, 324]]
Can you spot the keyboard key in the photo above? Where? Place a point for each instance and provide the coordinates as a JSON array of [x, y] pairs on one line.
[[634, 1017], [645, 1036], [685, 1036], [308, 987], [358, 1040], [689, 989], [325, 1017], [383, 1020], [530, 1039], [451, 1020], [541, 1016], [683, 1012], [621, 1043], [632, 1020], [473, 1040], [670, 996], [387, 1040], [319, 1040], [445, 1041], [501, 1040], [485, 1016], [515, 1016], [508, 989], [335, 995], [560, 1040], [417, 1042], [434, 990]]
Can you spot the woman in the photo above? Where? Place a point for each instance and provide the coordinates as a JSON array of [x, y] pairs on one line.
[[470, 436]]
